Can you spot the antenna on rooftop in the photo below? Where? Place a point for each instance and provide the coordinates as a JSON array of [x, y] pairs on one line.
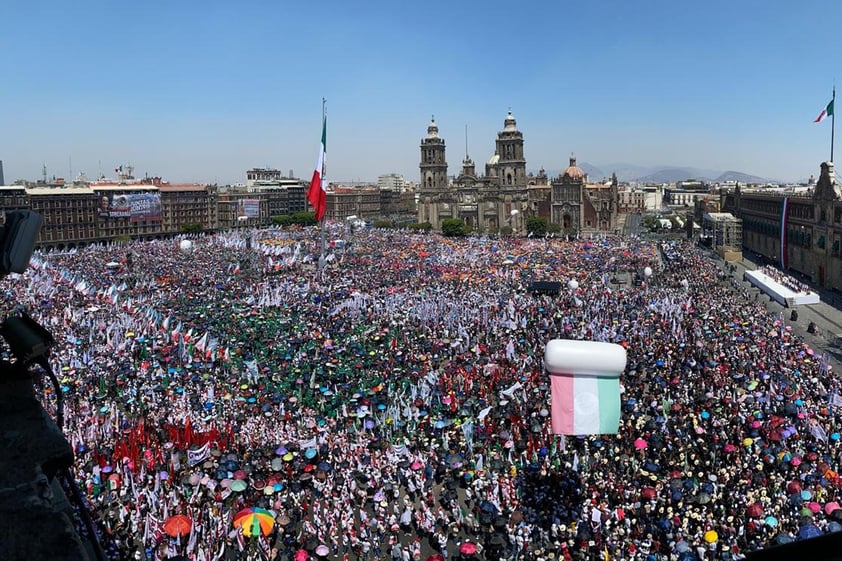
[[44, 171]]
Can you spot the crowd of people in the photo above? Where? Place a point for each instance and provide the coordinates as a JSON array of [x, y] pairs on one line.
[[391, 402], [784, 279]]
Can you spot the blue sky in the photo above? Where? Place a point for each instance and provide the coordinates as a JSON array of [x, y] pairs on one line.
[[203, 90]]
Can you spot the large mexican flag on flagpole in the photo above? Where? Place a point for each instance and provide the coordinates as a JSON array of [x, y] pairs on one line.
[[826, 112], [316, 194]]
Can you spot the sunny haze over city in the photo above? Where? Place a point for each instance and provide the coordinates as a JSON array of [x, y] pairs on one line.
[[202, 91]]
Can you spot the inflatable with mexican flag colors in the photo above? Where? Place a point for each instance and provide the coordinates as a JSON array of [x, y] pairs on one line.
[[585, 379]]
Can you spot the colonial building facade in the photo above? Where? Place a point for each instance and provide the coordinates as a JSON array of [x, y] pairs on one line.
[[485, 203], [798, 232], [506, 196]]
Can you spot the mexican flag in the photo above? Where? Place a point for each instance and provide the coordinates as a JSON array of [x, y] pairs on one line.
[[585, 385], [585, 404], [826, 112], [316, 194]]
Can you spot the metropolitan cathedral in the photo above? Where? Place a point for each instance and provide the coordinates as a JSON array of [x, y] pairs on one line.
[[506, 195]]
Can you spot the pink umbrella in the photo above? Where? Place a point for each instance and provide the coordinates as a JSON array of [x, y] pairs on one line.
[[796, 461], [640, 444], [814, 507], [830, 507], [755, 510], [301, 555], [468, 548], [729, 448], [240, 474]]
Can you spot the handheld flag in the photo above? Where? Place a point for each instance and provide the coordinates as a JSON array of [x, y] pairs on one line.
[[585, 378], [316, 194]]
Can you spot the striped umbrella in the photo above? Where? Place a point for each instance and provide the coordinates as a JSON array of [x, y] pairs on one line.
[[254, 521]]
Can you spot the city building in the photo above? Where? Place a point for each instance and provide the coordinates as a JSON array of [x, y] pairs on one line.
[[70, 215], [506, 196], [631, 201], [2, 179], [13, 197], [568, 192], [255, 175], [363, 202], [126, 210], [485, 203], [600, 207], [797, 231], [186, 205], [391, 182]]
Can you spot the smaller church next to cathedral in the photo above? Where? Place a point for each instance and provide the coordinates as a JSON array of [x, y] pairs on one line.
[[506, 196]]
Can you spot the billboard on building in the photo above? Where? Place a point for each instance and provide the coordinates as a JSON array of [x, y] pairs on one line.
[[250, 208], [137, 207]]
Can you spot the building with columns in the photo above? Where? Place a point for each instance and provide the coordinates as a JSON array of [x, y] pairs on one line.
[[485, 203]]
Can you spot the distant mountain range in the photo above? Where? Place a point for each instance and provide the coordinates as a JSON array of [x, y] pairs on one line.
[[662, 174]]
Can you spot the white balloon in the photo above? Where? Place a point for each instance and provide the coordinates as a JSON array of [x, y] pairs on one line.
[[186, 246], [647, 271], [573, 284]]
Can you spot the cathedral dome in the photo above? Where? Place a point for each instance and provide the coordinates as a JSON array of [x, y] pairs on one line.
[[573, 172], [432, 129], [510, 124]]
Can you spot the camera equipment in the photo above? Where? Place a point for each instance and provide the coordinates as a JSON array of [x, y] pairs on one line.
[[17, 240], [29, 344]]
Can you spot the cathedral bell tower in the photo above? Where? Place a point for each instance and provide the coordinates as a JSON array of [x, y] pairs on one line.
[[511, 164], [433, 163]]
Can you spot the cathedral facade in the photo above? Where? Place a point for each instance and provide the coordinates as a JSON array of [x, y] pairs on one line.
[[485, 203], [506, 196]]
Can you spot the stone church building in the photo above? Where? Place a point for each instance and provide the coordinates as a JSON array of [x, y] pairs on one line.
[[485, 203], [506, 195]]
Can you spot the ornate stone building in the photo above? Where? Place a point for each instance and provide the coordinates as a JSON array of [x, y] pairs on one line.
[[798, 232], [567, 192], [486, 203]]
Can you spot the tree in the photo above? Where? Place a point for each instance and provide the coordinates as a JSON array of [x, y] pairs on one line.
[[536, 225], [191, 227], [426, 226], [382, 223], [453, 227], [304, 218], [553, 228]]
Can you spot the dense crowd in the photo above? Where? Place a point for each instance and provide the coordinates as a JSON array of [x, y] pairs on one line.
[[392, 404]]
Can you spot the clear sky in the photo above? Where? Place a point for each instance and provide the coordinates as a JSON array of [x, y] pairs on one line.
[[203, 90]]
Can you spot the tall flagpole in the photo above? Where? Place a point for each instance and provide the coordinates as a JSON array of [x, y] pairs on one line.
[[832, 122], [322, 261]]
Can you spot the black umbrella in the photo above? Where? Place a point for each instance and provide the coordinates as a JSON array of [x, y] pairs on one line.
[[497, 540]]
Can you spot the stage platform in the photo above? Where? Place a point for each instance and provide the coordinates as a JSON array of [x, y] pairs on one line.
[[779, 292]]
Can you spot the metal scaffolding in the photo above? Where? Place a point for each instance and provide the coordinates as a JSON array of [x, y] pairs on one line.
[[726, 233]]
